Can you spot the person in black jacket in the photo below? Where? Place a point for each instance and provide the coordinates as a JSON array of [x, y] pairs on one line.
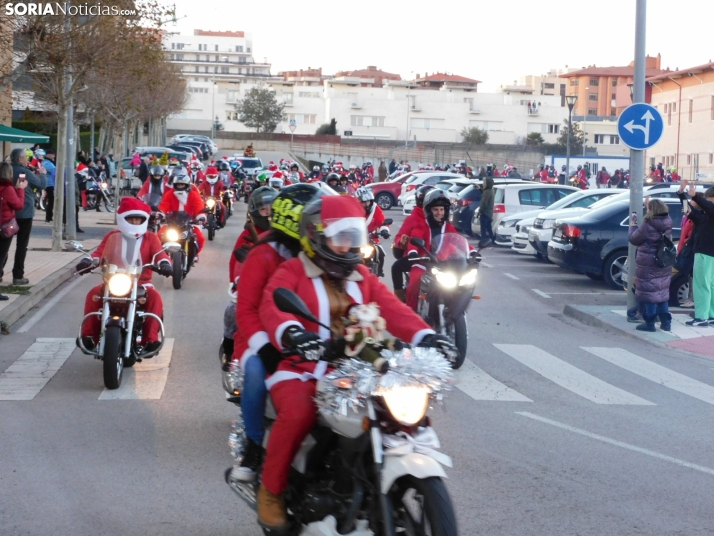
[[144, 170], [703, 218]]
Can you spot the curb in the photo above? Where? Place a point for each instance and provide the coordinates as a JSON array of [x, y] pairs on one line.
[[24, 303]]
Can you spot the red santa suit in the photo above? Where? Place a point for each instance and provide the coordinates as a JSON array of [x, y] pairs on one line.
[[583, 178], [375, 219], [543, 174], [215, 190], [197, 176], [245, 241], [146, 247], [411, 221], [193, 207], [292, 387], [146, 188]]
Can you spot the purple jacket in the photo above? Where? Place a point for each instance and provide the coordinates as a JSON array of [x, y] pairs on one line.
[[652, 285]]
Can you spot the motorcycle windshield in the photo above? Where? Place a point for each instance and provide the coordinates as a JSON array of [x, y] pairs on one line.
[[120, 253], [152, 199], [178, 219], [451, 247]]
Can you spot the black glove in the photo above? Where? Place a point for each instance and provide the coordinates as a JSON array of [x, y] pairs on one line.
[[441, 343], [165, 269], [384, 233], [271, 357], [84, 265], [307, 345], [412, 254]]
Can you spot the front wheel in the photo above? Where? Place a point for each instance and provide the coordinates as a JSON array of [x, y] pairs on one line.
[[458, 332], [423, 506], [177, 262], [211, 226], [108, 204], [112, 358]]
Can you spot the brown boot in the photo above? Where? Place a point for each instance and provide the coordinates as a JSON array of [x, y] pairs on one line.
[[271, 510], [401, 294]]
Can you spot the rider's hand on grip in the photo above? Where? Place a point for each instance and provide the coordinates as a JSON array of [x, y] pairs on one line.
[[165, 269], [384, 234], [84, 265], [307, 345], [441, 343]]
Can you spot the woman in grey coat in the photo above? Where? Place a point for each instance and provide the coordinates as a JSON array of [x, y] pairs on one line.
[[652, 282]]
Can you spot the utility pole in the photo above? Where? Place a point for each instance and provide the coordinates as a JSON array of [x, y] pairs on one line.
[[71, 222]]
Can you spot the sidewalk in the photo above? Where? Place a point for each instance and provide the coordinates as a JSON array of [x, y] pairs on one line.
[[45, 268], [699, 341]]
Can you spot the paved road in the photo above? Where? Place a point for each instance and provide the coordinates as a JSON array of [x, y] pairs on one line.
[[555, 428]]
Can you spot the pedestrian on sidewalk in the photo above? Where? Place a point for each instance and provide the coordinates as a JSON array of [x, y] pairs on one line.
[[49, 165], [485, 211], [703, 218], [382, 172], [653, 281], [24, 216], [12, 198]]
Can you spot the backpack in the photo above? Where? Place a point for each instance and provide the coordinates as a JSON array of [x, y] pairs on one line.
[[666, 253]]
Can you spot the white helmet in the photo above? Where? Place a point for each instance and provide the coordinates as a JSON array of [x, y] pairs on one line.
[[276, 183], [182, 186], [364, 194], [316, 168]]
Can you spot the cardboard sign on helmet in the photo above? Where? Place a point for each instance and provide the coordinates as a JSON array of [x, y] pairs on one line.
[[132, 207]]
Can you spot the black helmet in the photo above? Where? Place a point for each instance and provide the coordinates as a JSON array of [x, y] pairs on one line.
[[421, 193], [261, 197], [157, 171], [540, 166], [288, 207], [563, 167], [332, 177], [223, 166], [436, 198], [347, 227]]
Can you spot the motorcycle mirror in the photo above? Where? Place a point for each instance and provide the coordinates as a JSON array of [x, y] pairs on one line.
[[414, 241], [388, 221], [75, 245], [289, 302]]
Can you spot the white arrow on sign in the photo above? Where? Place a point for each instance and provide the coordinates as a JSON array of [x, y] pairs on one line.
[[645, 129]]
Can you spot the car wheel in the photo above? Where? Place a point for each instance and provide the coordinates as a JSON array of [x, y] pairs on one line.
[[612, 270], [678, 289], [384, 200]]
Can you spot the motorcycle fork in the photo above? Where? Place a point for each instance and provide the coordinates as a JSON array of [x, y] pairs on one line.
[[378, 457], [105, 317], [131, 313]]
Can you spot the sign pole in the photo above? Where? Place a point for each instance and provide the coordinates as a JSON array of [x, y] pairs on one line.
[[637, 157]]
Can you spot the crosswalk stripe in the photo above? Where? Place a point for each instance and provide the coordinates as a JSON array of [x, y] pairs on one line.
[[656, 373], [571, 378], [474, 382], [26, 377], [145, 380]]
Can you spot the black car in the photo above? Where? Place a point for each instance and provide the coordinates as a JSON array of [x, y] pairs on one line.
[[203, 146], [463, 208], [595, 244], [186, 149]]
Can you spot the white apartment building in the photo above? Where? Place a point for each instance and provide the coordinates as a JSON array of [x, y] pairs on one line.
[[537, 85], [398, 110]]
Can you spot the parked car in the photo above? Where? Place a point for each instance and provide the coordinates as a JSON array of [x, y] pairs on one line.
[[430, 177], [159, 152], [516, 198], [450, 186], [200, 144], [386, 193], [595, 243], [196, 137], [468, 200]]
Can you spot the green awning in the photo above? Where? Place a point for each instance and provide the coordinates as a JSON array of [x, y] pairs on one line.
[[15, 135]]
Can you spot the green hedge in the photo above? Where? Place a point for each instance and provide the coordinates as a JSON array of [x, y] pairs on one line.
[[50, 129]]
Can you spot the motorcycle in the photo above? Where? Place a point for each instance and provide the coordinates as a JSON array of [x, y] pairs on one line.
[[228, 196], [179, 230], [371, 464], [371, 252], [212, 209], [98, 192], [122, 315], [156, 217], [40, 197], [447, 286]]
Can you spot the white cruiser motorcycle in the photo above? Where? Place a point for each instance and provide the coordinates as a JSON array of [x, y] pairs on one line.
[[371, 465]]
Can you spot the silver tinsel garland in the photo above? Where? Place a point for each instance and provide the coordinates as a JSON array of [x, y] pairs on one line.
[[423, 367], [237, 441], [235, 376]]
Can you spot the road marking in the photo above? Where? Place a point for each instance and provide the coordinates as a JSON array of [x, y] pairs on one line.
[[656, 373], [487, 265], [46, 307], [26, 377], [571, 378], [145, 380], [540, 293], [617, 443], [477, 384], [512, 276], [584, 293]]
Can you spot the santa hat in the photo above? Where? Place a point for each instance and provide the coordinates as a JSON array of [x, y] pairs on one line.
[[211, 170], [225, 158], [341, 212], [82, 169], [131, 206], [277, 175]]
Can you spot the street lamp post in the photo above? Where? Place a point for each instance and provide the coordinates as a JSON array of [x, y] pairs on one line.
[[213, 107], [570, 100]]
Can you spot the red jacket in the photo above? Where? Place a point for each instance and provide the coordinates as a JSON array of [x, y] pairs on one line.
[[261, 264], [375, 219], [145, 188], [409, 224], [211, 190], [193, 206], [687, 230], [245, 241], [149, 246], [543, 174], [423, 231], [303, 277], [197, 177], [12, 199]]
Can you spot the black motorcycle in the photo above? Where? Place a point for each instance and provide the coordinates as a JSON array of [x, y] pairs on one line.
[[98, 193], [372, 251], [447, 287], [179, 231], [212, 210]]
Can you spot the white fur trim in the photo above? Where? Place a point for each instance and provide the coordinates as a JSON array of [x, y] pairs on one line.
[[281, 329], [284, 375], [345, 223], [419, 335], [324, 303], [255, 343], [371, 214], [354, 291]]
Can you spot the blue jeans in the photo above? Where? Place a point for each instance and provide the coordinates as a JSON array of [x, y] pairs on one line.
[[653, 309], [253, 398]]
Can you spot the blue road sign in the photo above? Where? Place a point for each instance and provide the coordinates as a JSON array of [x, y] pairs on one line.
[[640, 126]]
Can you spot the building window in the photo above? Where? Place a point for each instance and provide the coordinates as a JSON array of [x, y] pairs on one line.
[[179, 46], [195, 79], [594, 81], [668, 111], [674, 107], [553, 129], [247, 49], [303, 118], [614, 140], [206, 79], [216, 57], [427, 123], [689, 159], [614, 82], [179, 57], [232, 96], [613, 112], [549, 86], [592, 96], [196, 68], [216, 49], [691, 109], [309, 94], [614, 96], [173, 46], [711, 158], [232, 116], [366, 121], [206, 68], [574, 81], [493, 126], [599, 139], [225, 70], [592, 111]]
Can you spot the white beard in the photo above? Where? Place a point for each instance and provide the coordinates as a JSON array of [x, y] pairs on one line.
[[181, 196]]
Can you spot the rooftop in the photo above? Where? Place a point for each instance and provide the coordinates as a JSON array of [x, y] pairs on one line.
[[445, 77], [370, 72], [209, 33], [684, 72]]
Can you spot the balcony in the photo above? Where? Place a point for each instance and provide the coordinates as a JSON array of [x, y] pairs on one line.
[[474, 110], [533, 111], [415, 108]]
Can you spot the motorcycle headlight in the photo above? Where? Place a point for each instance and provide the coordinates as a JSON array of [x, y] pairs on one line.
[[119, 284], [211, 203], [367, 251], [104, 186], [172, 235], [468, 278], [445, 279], [407, 405]]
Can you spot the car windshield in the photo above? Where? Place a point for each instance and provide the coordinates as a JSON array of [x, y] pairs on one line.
[[472, 191], [457, 187], [250, 162], [565, 201], [443, 185]]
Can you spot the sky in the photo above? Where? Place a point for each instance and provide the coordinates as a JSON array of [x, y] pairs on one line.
[[495, 42]]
